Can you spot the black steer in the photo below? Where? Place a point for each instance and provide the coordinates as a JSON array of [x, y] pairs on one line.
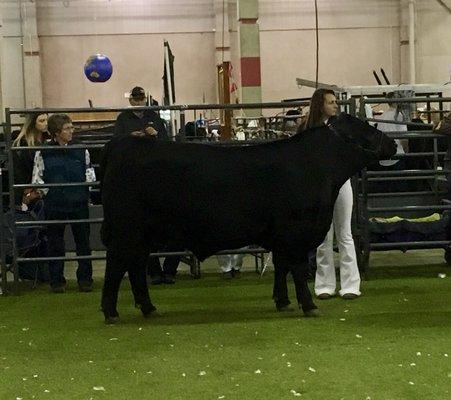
[[206, 198]]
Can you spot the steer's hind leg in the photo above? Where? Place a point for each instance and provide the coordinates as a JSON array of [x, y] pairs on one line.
[[114, 272], [138, 282], [303, 294], [280, 288]]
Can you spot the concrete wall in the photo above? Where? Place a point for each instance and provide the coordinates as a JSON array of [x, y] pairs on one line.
[[131, 33], [137, 60], [433, 43], [11, 68], [356, 36], [12, 73]]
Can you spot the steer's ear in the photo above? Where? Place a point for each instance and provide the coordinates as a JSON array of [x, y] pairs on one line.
[[342, 117], [333, 119]]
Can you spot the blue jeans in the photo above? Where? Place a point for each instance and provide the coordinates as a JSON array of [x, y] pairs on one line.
[[56, 245]]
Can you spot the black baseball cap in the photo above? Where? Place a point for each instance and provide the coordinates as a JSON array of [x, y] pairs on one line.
[[138, 93]]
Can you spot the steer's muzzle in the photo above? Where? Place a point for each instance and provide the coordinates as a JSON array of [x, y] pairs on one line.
[[387, 149]]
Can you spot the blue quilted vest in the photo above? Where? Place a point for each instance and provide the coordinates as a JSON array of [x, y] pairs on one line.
[[65, 166]]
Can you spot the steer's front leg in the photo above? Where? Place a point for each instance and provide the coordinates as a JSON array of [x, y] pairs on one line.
[[280, 288], [114, 273]]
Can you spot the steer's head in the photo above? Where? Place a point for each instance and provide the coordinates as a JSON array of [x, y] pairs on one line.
[[373, 142]]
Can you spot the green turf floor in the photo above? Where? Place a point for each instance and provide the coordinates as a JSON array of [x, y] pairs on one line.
[[219, 339]]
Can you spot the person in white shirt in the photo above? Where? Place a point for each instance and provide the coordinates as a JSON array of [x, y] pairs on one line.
[[393, 114], [396, 164], [230, 265]]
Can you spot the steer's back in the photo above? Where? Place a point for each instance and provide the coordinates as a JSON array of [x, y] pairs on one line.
[[206, 198], [193, 195]]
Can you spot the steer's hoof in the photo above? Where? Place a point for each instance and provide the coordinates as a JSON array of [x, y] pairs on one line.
[[148, 310], [111, 320], [312, 313], [111, 315], [284, 308]]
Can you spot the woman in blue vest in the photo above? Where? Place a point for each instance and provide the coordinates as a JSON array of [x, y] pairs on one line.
[[65, 202]]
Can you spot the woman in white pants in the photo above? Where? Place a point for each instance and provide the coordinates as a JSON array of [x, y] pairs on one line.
[[323, 105], [325, 280], [230, 265]]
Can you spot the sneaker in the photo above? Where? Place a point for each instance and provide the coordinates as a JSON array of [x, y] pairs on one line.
[[85, 287], [58, 288], [349, 296], [324, 296]]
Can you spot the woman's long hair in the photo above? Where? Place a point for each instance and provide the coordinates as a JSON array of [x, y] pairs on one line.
[[29, 131], [315, 113]]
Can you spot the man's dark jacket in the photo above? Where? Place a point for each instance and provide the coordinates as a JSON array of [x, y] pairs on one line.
[[128, 122]]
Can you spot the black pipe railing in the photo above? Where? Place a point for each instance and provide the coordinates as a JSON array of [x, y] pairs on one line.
[[12, 185], [434, 174], [366, 176]]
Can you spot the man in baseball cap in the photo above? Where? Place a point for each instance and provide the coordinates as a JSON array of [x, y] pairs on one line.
[[140, 122], [145, 122], [137, 94]]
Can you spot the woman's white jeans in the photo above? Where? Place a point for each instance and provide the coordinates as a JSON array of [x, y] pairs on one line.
[[325, 280], [230, 262]]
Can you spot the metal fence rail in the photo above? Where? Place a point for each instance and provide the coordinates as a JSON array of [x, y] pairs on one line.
[[349, 105], [362, 209], [432, 175]]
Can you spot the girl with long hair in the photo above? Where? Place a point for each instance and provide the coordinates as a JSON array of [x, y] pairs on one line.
[[323, 106], [33, 133]]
